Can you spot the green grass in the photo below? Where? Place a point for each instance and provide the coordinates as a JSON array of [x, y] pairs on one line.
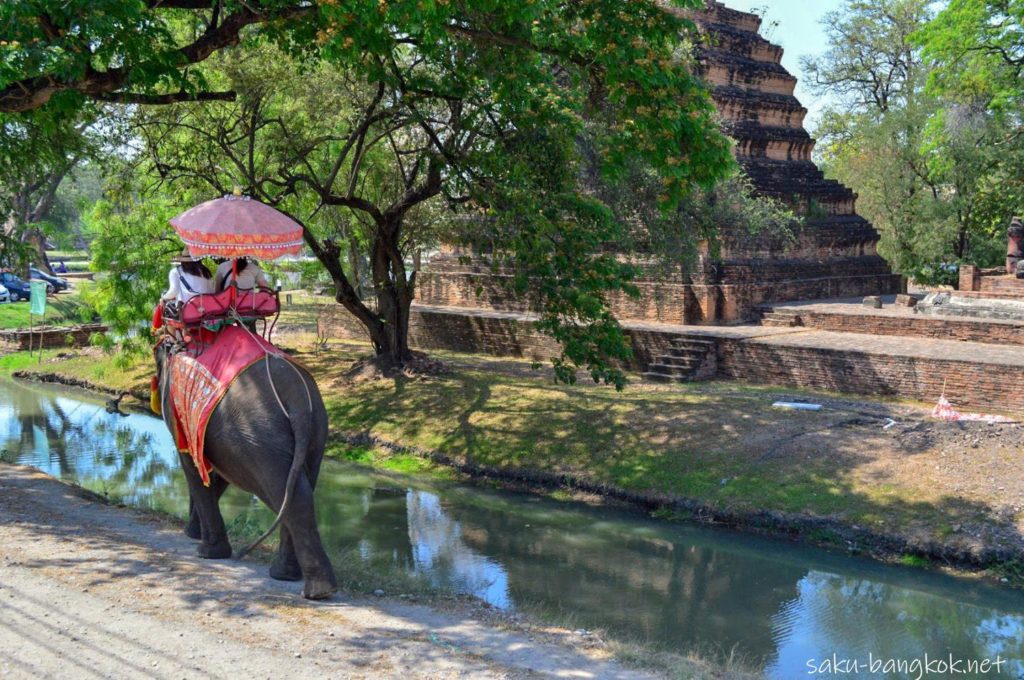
[[89, 364], [17, 361], [914, 561], [57, 255], [384, 459], [670, 442], [66, 309]]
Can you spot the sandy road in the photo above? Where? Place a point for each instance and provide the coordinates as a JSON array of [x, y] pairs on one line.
[[93, 591]]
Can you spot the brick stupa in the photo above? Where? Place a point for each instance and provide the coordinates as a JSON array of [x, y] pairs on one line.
[[832, 255]]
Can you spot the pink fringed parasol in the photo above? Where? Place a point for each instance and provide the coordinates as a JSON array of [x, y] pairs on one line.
[[238, 226]]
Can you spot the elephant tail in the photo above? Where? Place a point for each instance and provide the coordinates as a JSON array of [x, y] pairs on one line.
[[302, 426]]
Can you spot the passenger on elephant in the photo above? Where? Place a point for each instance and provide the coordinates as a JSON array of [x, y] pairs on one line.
[[186, 280], [246, 276]]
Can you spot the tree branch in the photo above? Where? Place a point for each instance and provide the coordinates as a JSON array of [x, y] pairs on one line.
[[168, 98], [32, 93]]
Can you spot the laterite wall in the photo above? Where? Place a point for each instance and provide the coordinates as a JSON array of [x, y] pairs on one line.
[[78, 336], [968, 384], [917, 326], [492, 334]]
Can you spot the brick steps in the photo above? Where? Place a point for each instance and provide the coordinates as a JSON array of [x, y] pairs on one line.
[[780, 318], [689, 358]]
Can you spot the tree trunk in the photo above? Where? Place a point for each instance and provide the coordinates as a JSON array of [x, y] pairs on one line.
[[353, 263], [960, 246], [388, 326], [35, 237], [394, 294]]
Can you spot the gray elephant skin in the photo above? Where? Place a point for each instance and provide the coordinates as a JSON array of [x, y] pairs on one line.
[[252, 444]]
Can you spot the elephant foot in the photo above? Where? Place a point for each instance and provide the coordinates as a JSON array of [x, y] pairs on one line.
[[215, 551], [319, 589], [282, 571], [193, 530]]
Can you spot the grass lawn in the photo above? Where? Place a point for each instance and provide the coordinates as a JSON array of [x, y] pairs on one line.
[[66, 255], [708, 442], [90, 365], [65, 309]]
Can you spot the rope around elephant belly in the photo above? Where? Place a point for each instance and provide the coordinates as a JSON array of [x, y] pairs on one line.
[[293, 472]]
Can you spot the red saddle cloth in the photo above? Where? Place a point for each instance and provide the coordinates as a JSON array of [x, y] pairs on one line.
[[201, 376]]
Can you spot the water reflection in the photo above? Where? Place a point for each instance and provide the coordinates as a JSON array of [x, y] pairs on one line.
[[73, 438], [676, 586]]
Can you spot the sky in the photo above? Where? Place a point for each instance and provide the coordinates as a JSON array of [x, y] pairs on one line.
[[799, 32]]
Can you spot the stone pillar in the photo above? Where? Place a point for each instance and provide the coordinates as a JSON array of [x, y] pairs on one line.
[[970, 278], [708, 288]]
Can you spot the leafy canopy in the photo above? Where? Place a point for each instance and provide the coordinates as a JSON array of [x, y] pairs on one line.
[[515, 87], [922, 131], [976, 51]]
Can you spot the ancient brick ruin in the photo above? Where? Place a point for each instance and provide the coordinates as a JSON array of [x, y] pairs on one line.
[[832, 255]]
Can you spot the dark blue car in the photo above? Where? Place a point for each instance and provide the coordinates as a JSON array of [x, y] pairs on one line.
[[54, 284], [17, 286]]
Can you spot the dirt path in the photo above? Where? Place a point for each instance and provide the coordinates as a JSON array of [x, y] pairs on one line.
[[93, 591]]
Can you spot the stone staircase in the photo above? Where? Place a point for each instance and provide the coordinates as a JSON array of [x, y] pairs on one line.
[[780, 318], [692, 357]]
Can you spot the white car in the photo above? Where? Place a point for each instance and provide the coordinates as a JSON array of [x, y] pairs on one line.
[[5, 295]]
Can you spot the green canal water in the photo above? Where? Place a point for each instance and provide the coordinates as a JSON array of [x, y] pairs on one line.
[[669, 585]]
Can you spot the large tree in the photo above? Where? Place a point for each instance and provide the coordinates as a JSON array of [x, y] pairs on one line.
[[347, 159], [975, 48], [975, 54], [36, 155], [925, 163], [485, 102]]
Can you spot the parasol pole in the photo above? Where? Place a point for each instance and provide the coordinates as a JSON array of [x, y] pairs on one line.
[[234, 261], [234, 280]]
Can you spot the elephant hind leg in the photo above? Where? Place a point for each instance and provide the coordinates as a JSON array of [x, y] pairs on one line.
[[285, 566], [300, 530], [214, 544], [193, 528]]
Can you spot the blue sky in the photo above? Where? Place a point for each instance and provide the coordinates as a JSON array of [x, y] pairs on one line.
[[799, 32]]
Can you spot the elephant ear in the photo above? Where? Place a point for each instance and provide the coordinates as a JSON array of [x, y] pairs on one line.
[[154, 396], [161, 353]]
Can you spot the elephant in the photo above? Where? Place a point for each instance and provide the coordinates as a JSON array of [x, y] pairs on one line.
[[266, 436]]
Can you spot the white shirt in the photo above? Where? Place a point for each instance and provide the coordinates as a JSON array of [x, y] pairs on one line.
[[248, 278], [181, 293]]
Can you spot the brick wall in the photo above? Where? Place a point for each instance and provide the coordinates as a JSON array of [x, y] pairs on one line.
[[999, 285], [493, 334], [994, 282], [747, 286], [970, 385], [917, 326], [970, 278], [77, 336]]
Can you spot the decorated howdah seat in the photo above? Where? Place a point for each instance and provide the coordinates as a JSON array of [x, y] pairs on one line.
[[227, 305]]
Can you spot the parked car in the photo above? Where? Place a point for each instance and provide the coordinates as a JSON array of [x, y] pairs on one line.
[[16, 286], [54, 284], [5, 295]]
